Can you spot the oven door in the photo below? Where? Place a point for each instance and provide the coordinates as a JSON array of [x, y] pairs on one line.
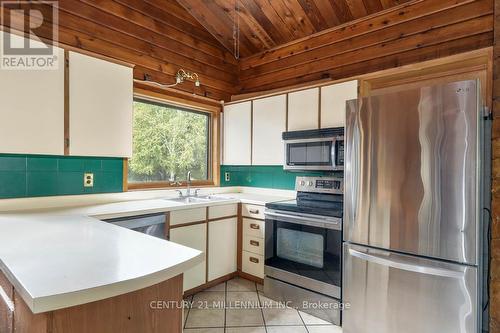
[[304, 250], [315, 154]]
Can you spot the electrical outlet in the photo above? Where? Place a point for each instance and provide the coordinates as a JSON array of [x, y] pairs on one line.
[[88, 180], [227, 176]]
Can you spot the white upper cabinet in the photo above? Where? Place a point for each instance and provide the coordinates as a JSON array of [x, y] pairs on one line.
[[269, 122], [303, 110], [333, 99], [101, 102], [32, 109], [237, 134]]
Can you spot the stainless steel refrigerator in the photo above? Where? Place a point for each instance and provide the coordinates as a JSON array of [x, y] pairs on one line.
[[413, 211]]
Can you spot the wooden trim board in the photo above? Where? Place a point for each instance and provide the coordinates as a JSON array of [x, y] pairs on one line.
[[239, 246], [250, 277], [175, 226], [66, 103]]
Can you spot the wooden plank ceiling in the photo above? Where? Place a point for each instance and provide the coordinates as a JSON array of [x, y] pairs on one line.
[[161, 36], [411, 33], [157, 36], [264, 24]]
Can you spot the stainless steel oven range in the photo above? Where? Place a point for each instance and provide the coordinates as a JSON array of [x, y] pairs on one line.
[[303, 252]]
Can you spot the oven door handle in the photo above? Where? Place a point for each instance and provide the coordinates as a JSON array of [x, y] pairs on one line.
[[313, 221]]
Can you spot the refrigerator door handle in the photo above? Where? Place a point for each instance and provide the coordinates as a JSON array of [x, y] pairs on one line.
[[352, 172], [400, 264]]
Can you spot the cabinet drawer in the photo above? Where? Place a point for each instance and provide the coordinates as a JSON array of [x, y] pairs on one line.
[[253, 211], [253, 228], [188, 215], [253, 264], [253, 244], [216, 212]]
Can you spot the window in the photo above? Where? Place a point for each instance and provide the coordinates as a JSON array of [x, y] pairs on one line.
[[168, 141]]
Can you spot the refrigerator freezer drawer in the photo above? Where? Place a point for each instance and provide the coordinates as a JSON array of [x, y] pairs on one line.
[[393, 293]]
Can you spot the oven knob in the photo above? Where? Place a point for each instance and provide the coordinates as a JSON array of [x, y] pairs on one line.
[[310, 183]]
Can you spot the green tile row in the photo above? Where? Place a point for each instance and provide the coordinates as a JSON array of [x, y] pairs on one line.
[[32, 175], [262, 176]]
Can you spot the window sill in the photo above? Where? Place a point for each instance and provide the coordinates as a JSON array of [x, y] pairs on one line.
[[168, 186]]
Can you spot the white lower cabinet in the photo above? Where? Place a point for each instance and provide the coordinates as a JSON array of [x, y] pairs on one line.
[[252, 258], [253, 264], [253, 244], [220, 241], [222, 247], [194, 236], [252, 227]]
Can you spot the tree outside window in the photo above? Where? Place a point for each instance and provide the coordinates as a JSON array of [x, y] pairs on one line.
[[168, 141]]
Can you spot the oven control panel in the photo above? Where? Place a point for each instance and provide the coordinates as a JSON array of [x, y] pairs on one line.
[[320, 185]]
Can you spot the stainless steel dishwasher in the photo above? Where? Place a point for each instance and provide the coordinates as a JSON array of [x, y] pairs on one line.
[[151, 224]]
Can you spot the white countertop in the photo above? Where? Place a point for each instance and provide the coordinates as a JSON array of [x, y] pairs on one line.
[[66, 256], [58, 261]]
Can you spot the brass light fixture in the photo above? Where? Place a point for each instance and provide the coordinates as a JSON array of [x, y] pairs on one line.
[[181, 76]]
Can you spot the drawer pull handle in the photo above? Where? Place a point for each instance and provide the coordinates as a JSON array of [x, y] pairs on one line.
[[253, 211], [254, 243], [254, 260], [255, 226]]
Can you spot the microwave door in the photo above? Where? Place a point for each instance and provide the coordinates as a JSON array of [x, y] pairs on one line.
[[310, 154]]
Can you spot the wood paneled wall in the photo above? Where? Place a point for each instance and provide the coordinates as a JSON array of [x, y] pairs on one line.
[[411, 33], [495, 203], [157, 36]]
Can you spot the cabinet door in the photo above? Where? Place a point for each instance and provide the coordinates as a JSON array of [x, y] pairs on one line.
[[333, 99], [101, 99], [303, 110], [32, 111], [222, 247], [269, 122], [237, 135], [194, 236]]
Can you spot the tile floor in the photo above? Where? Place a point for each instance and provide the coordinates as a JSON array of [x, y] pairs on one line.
[[238, 306]]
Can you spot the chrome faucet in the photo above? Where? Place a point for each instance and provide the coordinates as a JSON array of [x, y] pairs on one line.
[[188, 182]]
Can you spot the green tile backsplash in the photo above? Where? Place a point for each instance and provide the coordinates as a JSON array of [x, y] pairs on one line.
[[263, 176], [35, 175]]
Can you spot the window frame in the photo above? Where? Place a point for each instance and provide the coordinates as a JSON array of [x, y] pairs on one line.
[[213, 158]]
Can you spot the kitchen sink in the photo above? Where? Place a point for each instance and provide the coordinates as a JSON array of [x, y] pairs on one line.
[[200, 199]]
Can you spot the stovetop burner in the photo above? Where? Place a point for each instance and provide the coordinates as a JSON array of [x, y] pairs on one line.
[[316, 195]]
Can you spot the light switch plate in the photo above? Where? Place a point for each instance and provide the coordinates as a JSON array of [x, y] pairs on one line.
[[88, 180], [227, 176]]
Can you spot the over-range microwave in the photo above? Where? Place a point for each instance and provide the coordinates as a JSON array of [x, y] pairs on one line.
[[317, 150]]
